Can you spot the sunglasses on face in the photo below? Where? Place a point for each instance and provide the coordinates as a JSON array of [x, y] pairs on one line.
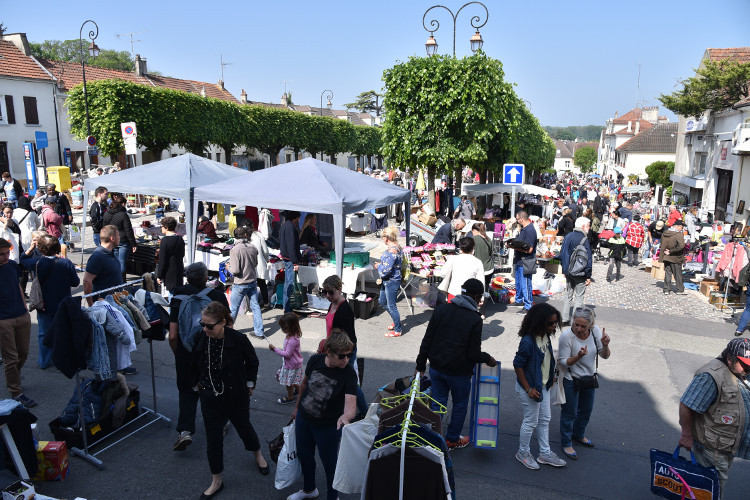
[[323, 291], [345, 356], [208, 326]]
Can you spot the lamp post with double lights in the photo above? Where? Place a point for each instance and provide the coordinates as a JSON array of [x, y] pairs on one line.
[[93, 51], [476, 41]]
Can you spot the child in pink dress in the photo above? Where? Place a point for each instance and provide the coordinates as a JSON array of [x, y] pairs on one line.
[[291, 372]]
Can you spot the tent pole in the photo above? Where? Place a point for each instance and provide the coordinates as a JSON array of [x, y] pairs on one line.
[[83, 222], [339, 228]]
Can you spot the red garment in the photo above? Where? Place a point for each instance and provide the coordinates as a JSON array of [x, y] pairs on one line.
[[674, 215], [251, 214], [740, 260], [635, 235]]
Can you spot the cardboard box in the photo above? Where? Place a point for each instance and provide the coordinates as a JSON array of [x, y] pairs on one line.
[[20, 490], [709, 285], [52, 457], [657, 270], [553, 266], [715, 297]]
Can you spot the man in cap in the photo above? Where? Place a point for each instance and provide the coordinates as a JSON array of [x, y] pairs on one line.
[[453, 345], [714, 410], [672, 254], [653, 238]]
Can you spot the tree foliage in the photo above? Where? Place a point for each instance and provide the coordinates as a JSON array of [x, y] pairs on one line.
[[571, 133], [585, 158], [659, 171], [367, 102], [716, 86], [70, 51], [166, 117]]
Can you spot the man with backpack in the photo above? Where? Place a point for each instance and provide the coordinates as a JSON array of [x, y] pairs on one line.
[[576, 259], [184, 327]]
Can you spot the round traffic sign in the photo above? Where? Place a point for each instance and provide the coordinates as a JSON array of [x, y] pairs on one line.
[[91, 140], [129, 130]]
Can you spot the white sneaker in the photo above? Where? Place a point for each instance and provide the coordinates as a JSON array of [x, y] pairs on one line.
[[183, 441], [302, 494], [552, 460], [528, 460]]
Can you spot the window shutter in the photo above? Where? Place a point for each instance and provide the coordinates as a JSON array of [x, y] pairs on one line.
[[9, 110], [29, 105]]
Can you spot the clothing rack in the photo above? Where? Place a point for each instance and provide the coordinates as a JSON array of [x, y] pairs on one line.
[[147, 412], [407, 421]]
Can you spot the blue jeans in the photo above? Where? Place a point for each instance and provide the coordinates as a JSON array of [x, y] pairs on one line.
[[575, 413], [327, 439], [745, 318], [288, 284], [459, 387], [97, 239], [251, 291], [388, 295], [523, 287], [44, 320], [122, 252], [361, 401]]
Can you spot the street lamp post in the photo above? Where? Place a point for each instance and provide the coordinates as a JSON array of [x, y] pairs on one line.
[[94, 51], [329, 97], [476, 40]]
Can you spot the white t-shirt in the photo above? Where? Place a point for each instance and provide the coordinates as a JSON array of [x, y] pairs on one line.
[[569, 347], [457, 270]]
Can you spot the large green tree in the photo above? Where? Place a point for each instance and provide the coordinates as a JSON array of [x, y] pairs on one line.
[[659, 171], [585, 159], [70, 51], [367, 102], [716, 86]]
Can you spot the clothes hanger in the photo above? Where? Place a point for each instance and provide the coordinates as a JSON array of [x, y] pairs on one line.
[[394, 401]]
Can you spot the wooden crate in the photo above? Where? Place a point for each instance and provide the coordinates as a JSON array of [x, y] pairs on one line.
[[709, 285]]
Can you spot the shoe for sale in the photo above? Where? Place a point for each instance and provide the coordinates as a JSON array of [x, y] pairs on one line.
[[527, 460], [552, 460], [463, 442], [301, 494], [184, 440], [26, 401]]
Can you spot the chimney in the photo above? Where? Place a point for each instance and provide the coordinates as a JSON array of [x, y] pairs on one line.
[[221, 84], [637, 127], [284, 99], [19, 40], [140, 66], [203, 91], [630, 126], [243, 97], [616, 114], [651, 114]]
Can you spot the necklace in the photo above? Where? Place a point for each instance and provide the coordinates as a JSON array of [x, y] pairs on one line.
[[221, 358]]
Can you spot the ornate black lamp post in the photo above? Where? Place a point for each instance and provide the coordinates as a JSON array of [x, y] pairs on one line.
[[476, 40], [329, 97], [93, 51]]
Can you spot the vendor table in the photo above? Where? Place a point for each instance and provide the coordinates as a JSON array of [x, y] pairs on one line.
[[351, 277], [144, 259], [156, 230]]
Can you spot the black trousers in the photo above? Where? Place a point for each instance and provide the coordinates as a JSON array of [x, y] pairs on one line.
[[216, 411], [187, 397], [673, 270], [263, 287]]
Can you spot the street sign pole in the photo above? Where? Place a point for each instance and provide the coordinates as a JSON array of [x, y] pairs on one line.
[[513, 203]]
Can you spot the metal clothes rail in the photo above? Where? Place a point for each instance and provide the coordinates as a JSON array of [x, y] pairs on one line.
[[85, 453]]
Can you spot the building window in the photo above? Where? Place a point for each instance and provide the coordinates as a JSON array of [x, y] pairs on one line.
[[700, 164], [567, 163], [7, 112], [29, 106]]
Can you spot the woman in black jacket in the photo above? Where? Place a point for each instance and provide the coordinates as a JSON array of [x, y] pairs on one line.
[[171, 268], [225, 368], [118, 216], [566, 223]]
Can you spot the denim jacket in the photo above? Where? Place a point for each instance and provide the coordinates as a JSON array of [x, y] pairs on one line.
[[530, 358]]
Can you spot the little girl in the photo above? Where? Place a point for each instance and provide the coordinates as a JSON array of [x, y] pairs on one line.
[[291, 372]]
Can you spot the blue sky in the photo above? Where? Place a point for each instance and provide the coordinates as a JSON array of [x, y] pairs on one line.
[[576, 62]]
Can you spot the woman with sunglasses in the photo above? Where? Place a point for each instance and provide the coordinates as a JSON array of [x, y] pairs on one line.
[[326, 402], [534, 365], [578, 349], [225, 369]]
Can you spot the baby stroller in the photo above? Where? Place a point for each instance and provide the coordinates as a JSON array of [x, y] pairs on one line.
[[604, 237]]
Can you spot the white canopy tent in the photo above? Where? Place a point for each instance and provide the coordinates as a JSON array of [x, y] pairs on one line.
[[489, 189], [176, 177], [310, 185]]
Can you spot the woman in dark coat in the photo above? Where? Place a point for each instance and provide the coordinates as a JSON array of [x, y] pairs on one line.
[[171, 268], [225, 368], [116, 215]]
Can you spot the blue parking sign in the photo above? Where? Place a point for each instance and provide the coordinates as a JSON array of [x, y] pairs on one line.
[[513, 174]]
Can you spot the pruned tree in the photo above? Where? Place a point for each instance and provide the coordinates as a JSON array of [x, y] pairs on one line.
[[367, 102], [658, 172]]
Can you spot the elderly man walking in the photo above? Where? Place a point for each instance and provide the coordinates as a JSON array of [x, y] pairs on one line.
[[576, 259], [672, 254]]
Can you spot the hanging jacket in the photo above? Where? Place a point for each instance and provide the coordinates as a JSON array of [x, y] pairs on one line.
[[91, 398], [737, 251], [98, 360], [68, 336]]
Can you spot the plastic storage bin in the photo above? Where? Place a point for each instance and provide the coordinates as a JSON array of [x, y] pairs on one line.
[[359, 259]]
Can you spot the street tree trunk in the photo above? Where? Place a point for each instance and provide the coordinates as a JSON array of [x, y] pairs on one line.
[[431, 171]]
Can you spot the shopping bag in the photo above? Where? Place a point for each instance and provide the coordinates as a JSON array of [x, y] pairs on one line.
[[676, 478], [557, 392], [277, 444], [297, 297], [288, 468], [74, 234]]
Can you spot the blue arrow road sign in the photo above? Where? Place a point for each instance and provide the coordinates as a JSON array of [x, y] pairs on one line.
[[513, 174]]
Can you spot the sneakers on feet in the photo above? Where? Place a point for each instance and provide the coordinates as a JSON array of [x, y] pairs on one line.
[[26, 401], [463, 442], [552, 460], [184, 440], [527, 460], [302, 494], [130, 370]]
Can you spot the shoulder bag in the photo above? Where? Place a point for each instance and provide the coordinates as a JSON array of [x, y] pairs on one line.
[[529, 265], [36, 300], [588, 381]]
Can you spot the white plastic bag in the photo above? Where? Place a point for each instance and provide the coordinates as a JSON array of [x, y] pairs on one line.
[[74, 234], [288, 468]]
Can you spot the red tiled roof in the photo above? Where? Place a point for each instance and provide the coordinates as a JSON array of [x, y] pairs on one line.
[[632, 115], [738, 54], [645, 125], [740, 104], [14, 63], [661, 138], [70, 75]]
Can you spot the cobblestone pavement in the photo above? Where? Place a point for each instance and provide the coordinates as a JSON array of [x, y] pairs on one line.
[[638, 291]]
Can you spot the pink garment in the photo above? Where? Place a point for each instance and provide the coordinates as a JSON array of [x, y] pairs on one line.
[[52, 221], [740, 260], [291, 353], [329, 321]]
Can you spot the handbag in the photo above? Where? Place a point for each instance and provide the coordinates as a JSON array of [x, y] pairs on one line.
[[588, 381], [297, 296], [276, 444], [36, 300], [676, 478], [529, 265]]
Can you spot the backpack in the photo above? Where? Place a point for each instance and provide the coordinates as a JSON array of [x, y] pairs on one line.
[[579, 260], [189, 316]]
